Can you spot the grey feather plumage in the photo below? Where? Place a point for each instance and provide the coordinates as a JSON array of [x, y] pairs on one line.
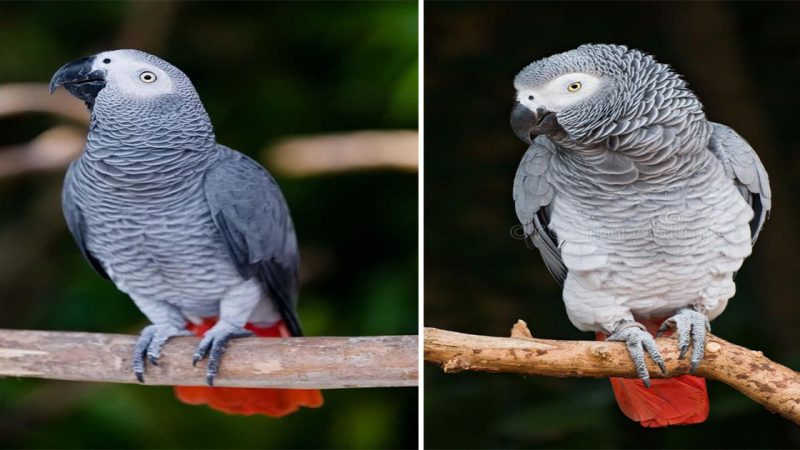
[[249, 210], [187, 227], [533, 195], [741, 163], [75, 222], [638, 204]]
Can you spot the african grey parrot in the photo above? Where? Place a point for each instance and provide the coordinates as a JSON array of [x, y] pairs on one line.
[[641, 208], [189, 228]]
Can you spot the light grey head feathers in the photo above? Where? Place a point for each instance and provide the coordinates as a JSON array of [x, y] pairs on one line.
[[133, 92], [601, 91]]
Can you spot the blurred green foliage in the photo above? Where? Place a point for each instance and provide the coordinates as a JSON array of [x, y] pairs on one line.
[[264, 71], [479, 279]]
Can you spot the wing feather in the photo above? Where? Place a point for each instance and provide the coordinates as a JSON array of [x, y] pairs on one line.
[[533, 199], [253, 219], [74, 218], [741, 163]]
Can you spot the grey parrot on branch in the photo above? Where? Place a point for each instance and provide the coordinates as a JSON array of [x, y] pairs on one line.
[[199, 235], [642, 209]]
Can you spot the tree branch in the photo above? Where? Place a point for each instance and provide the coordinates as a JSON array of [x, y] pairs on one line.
[[52, 150], [345, 152], [309, 362], [772, 385], [21, 98]]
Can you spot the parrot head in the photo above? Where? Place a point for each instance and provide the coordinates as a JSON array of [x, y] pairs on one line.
[[584, 96], [129, 81]]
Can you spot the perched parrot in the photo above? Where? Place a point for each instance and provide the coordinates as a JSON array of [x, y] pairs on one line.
[[197, 234], [642, 209]]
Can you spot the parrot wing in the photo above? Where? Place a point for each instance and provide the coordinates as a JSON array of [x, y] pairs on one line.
[[742, 165], [75, 222], [533, 198], [253, 218]]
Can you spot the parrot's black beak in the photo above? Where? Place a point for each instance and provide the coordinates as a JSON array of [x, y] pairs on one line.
[[527, 123], [80, 80]]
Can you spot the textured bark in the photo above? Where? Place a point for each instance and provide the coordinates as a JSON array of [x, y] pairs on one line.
[[310, 362], [772, 385]]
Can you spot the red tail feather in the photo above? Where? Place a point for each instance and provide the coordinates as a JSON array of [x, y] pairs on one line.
[[249, 401], [680, 400]]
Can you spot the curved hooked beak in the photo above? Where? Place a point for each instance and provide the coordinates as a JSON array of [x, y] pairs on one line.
[[80, 80], [527, 123]]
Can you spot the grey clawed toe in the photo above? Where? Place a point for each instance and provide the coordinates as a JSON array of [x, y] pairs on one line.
[[691, 327], [214, 344], [153, 337], [150, 343], [639, 341]]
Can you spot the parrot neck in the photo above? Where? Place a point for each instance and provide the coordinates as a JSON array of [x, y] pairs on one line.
[[133, 154], [149, 129], [657, 156]]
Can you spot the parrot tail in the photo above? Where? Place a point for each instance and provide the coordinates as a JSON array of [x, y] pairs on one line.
[[681, 400], [249, 401]]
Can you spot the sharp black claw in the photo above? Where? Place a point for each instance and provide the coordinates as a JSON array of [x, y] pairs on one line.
[[140, 377], [684, 349], [214, 358], [213, 347], [153, 360], [201, 352], [640, 344]]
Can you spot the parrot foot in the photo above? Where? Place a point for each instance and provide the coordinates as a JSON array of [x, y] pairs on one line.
[[691, 327], [213, 345], [639, 341], [151, 341]]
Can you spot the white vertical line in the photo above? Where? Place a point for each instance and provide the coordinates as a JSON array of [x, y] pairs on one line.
[[421, 214]]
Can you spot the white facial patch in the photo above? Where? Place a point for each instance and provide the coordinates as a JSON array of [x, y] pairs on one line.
[[561, 92], [131, 76]]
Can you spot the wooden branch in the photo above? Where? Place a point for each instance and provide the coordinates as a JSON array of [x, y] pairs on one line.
[[772, 385], [52, 150], [345, 152], [309, 362], [23, 98]]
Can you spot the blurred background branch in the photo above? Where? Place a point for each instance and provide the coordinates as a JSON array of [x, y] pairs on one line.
[[309, 362], [361, 150], [296, 156], [772, 385], [53, 149], [23, 98]]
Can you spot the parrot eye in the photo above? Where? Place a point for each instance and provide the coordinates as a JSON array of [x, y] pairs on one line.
[[575, 86], [147, 77]]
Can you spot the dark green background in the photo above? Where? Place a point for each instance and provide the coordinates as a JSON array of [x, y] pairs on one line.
[[264, 71], [742, 60]]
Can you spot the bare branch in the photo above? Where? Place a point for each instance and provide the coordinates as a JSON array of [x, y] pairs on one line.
[[22, 98], [52, 150], [310, 362], [360, 150], [772, 385]]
